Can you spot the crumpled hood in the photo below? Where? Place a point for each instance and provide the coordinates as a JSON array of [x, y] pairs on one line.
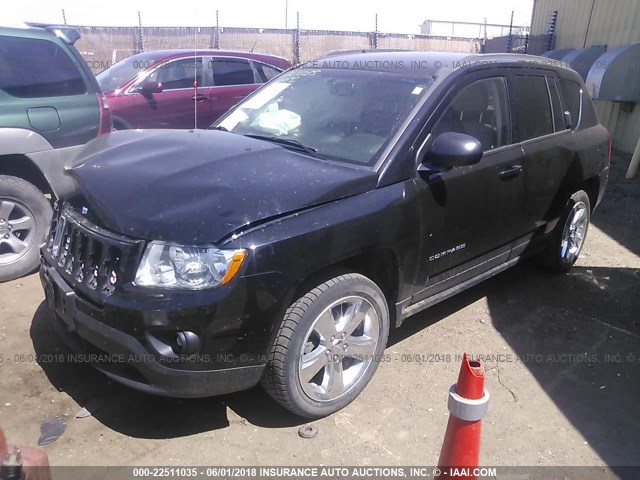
[[197, 187]]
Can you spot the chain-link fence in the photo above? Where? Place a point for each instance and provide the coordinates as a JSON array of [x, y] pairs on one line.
[[529, 44], [104, 46]]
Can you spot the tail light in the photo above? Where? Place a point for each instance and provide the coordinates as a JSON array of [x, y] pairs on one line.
[[106, 124]]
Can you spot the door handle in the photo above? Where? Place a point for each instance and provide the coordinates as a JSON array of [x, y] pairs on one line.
[[200, 97], [511, 171]]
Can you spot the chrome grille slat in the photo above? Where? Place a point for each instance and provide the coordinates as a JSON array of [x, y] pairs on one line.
[[92, 259]]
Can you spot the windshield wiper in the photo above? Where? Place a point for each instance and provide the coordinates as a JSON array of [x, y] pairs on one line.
[[286, 142], [219, 127]]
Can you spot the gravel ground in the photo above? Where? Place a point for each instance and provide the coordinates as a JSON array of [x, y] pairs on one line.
[[562, 355]]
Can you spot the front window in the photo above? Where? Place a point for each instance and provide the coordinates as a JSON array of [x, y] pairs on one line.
[[343, 115], [120, 73], [178, 74], [480, 110]]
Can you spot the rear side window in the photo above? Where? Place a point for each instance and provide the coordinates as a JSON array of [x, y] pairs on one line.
[[571, 99], [36, 68], [533, 109], [266, 71], [232, 72]]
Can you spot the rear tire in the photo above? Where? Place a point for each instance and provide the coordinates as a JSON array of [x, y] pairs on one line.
[[567, 240], [328, 346], [25, 216]]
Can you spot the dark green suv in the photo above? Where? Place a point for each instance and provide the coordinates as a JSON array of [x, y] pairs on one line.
[[50, 105]]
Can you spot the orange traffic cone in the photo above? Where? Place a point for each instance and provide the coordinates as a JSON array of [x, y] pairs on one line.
[[22, 463], [468, 402]]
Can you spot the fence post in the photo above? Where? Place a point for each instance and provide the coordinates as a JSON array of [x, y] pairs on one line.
[[551, 31], [215, 41], [375, 34], [296, 41], [484, 37], [510, 39], [140, 37]]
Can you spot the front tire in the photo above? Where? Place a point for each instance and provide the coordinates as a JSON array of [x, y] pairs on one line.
[[25, 215], [328, 346], [568, 238]]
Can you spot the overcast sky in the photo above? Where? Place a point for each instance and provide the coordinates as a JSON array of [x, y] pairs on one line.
[[394, 16]]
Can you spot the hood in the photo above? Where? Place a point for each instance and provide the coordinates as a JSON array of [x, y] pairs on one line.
[[197, 187]]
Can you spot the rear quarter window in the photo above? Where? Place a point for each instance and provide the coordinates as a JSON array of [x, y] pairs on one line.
[[577, 100], [532, 108], [267, 72], [37, 68]]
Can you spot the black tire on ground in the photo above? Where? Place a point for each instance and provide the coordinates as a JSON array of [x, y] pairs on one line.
[[553, 257], [282, 377], [29, 200]]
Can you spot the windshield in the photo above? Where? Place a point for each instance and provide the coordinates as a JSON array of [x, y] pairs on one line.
[[120, 73], [344, 115]]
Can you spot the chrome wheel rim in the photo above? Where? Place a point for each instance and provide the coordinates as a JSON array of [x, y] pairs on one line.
[[339, 348], [17, 231], [574, 233]]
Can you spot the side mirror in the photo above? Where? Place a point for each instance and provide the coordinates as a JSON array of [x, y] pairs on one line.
[[568, 122], [148, 88], [450, 150]]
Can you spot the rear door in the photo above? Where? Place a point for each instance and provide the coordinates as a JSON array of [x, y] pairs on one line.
[[540, 129], [468, 211], [232, 79], [175, 106]]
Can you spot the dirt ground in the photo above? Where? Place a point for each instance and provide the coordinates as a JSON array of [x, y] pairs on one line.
[[562, 355]]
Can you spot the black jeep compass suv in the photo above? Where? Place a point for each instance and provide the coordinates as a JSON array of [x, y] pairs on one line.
[[342, 197]]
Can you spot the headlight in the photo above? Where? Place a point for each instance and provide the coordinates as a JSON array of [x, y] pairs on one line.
[[191, 268]]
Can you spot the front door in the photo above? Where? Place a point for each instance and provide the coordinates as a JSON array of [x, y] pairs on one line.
[[175, 105], [467, 212]]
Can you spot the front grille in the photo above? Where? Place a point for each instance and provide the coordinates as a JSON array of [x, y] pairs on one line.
[[90, 258]]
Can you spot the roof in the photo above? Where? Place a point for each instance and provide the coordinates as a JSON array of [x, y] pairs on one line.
[[199, 51]]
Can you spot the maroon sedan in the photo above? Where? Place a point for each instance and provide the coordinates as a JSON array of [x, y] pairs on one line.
[[183, 88]]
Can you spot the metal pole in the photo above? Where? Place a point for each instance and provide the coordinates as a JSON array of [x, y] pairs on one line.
[[286, 13], [375, 34], [140, 37], [216, 35], [64, 17], [296, 40], [509, 43]]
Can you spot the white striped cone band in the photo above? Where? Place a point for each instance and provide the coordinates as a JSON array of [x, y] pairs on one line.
[[466, 409]]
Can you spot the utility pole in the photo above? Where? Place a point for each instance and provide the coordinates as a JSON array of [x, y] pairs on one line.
[[64, 17]]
